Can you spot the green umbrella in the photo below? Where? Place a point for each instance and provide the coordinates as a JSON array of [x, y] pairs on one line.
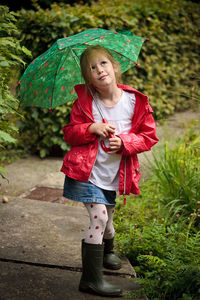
[[49, 80]]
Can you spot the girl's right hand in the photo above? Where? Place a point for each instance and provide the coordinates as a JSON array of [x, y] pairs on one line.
[[102, 129]]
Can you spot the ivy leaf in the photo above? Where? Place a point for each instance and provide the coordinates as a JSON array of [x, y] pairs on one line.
[[4, 63], [43, 152], [26, 51], [6, 137]]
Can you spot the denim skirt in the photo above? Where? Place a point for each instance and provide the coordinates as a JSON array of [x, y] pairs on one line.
[[87, 192]]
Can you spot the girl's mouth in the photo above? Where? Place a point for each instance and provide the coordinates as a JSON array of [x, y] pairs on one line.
[[102, 77]]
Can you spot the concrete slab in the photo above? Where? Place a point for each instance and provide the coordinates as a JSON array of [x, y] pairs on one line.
[[40, 252], [24, 282], [26, 173], [45, 233]]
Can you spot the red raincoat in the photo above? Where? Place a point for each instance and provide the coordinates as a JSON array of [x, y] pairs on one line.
[[78, 162]]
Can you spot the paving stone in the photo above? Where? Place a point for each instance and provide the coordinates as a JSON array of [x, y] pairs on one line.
[[25, 282], [46, 233]]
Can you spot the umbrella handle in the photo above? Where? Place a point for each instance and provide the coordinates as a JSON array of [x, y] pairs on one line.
[[103, 146]]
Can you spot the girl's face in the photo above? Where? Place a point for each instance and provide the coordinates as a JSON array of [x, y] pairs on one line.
[[102, 72]]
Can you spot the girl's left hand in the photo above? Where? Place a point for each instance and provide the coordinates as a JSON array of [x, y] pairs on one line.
[[115, 144]]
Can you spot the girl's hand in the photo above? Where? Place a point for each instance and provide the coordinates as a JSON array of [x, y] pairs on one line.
[[115, 144], [102, 129]]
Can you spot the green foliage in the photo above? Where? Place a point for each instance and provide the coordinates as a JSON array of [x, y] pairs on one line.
[[177, 175], [10, 58], [162, 239], [41, 130], [169, 62]]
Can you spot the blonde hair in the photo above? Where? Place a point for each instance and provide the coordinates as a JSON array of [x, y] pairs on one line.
[[85, 65]]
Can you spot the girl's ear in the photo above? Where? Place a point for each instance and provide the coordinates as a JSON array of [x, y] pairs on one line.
[[115, 68]]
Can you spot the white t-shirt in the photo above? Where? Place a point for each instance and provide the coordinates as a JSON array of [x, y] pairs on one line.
[[105, 172]]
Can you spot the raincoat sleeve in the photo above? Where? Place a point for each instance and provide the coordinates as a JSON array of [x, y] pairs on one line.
[[143, 139], [77, 131]]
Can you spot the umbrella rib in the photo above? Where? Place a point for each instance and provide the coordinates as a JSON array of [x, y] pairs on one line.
[[75, 57], [55, 82]]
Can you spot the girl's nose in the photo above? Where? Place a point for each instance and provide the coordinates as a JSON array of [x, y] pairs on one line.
[[99, 69]]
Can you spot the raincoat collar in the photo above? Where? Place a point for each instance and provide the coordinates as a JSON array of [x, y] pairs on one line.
[[85, 98], [82, 91]]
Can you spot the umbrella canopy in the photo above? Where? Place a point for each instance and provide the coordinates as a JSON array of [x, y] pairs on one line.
[[49, 80]]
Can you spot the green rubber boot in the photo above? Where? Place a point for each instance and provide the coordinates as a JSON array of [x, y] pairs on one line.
[[111, 260], [92, 277]]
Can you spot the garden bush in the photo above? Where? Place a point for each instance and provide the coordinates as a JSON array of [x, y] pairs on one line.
[[162, 239], [169, 62], [41, 131], [11, 57]]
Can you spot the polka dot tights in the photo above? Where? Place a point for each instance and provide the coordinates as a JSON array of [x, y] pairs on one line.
[[101, 223]]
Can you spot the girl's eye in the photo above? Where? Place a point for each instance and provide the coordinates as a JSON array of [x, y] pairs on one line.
[[92, 67], [103, 62]]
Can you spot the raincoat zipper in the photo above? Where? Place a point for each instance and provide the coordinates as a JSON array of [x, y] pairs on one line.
[[124, 193]]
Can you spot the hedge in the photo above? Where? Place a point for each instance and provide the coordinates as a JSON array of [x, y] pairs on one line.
[[169, 62]]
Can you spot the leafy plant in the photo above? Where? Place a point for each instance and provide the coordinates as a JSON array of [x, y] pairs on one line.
[[45, 136], [10, 58], [177, 174], [162, 241]]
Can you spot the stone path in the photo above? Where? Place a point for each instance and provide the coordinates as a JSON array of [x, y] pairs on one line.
[[40, 252], [41, 241]]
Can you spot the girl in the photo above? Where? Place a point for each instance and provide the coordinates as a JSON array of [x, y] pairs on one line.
[[94, 171]]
